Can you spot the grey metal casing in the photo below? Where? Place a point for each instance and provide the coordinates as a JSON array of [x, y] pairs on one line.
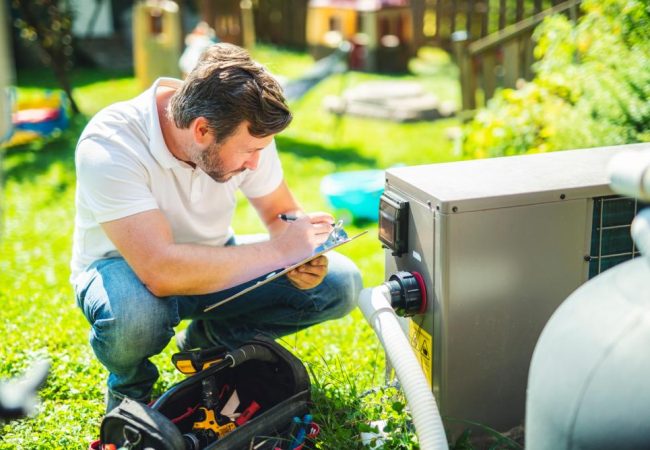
[[500, 244]]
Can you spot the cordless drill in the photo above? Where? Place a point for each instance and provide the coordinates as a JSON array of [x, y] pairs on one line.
[[209, 425]]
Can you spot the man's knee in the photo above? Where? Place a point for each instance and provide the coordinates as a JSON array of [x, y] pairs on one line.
[[128, 322], [342, 284]]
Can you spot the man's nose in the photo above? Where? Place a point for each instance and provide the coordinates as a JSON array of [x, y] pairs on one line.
[[252, 162]]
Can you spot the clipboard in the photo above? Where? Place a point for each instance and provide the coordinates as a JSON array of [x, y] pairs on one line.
[[277, 274]]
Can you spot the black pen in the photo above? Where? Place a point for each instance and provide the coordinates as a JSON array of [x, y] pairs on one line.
[[291, 218], [287, 217]]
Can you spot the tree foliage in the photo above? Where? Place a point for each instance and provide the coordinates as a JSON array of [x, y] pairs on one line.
[[48, 23], [592, 86]]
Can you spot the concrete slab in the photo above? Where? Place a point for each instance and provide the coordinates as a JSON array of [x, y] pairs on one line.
[[400, 101]]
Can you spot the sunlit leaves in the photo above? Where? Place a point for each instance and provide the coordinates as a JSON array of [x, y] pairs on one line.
[[592, 87]]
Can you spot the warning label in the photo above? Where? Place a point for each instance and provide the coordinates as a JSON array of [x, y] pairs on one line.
[[421, 342]]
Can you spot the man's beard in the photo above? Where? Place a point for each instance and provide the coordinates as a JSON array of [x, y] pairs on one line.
[[214, 166]]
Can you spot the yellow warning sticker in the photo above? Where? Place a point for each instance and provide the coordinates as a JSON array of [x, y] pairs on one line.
[[422, 343]]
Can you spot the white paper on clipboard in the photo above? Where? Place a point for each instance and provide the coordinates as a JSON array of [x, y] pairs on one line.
[[273, 275]]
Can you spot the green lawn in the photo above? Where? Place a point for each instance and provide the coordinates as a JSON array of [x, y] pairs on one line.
[[39, 318]]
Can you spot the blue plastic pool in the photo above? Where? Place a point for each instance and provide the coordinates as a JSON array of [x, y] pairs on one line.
[[357, 192]]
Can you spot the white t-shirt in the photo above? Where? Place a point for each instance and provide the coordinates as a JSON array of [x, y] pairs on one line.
[[124, 167]]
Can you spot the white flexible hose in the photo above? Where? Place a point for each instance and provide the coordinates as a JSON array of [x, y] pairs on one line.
[[375, 306]]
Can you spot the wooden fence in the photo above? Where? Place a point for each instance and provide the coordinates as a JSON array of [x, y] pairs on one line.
[[440, 19], [281, 22], [491, 40]]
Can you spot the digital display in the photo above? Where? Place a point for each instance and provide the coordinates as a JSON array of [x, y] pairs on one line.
[[386, 229], [393, 222]]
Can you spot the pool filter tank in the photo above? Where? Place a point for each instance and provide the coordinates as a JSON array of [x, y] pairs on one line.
[[588, 384], [499, 244]]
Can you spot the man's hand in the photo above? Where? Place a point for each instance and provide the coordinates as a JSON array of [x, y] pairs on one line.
[[310, 274], [302, 236]]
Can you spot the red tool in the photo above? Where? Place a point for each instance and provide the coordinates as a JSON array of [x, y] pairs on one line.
[[247, 413]]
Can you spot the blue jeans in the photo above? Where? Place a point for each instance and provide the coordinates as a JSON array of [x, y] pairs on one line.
[[129, 324]]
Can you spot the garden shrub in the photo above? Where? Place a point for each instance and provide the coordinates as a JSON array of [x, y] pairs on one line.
[[591, 88]]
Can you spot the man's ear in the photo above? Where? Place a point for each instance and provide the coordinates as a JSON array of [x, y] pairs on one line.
[[201, 131]]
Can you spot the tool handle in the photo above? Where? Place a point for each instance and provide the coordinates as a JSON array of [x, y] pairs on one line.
[[250, 351], [247, 413], [209, 392]]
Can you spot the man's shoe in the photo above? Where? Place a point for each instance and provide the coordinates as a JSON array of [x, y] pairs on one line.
[[113, 400], [194, 337], [182, 341]]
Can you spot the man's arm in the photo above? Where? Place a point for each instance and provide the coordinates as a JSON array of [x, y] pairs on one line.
[[281, 201], [145, 240]]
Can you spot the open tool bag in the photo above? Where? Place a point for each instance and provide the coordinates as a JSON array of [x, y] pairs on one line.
[[255, 397]]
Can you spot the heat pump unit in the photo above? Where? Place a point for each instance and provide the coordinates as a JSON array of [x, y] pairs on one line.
[[500, 243]]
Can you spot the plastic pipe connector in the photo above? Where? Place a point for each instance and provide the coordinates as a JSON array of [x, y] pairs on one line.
[[408, 294]]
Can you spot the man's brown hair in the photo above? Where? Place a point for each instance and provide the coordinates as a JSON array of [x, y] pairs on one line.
[[227, 87]]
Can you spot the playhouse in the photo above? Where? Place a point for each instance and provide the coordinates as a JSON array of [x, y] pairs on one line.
[[381, 31]]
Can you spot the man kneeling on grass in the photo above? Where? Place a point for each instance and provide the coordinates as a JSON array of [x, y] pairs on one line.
[[153, 241]]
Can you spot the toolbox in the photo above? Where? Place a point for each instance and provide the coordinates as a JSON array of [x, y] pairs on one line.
[[255, 397]]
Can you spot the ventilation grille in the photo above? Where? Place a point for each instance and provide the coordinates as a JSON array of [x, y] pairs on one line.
[[611, 242]]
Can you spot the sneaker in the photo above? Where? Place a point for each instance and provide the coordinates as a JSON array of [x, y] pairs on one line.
[[194, 337], [182, 341], [112, 400]]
